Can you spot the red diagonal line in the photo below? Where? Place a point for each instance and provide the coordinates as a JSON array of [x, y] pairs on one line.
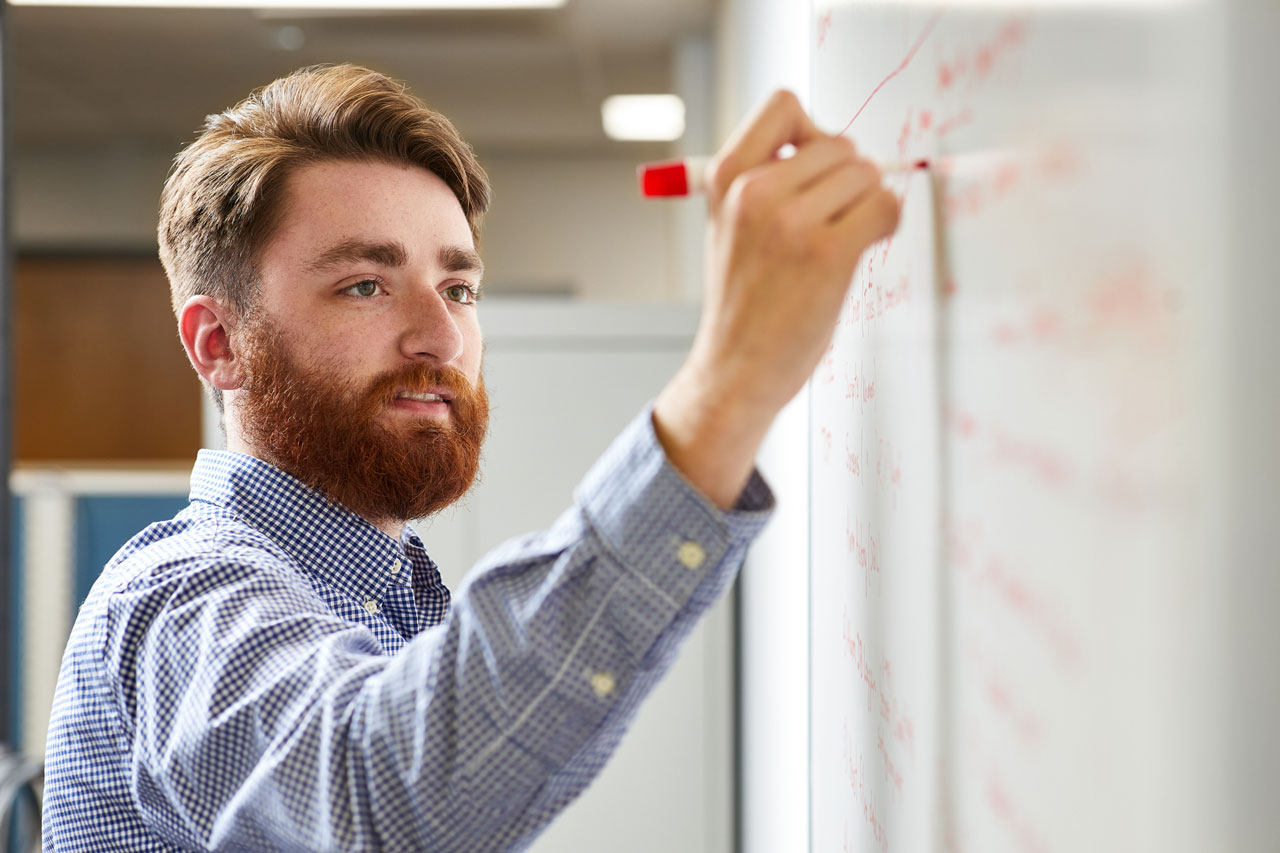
[[895, 72]]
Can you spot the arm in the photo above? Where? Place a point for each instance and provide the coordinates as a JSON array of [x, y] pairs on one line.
[[271, 725], [263, 722], [784, 239]]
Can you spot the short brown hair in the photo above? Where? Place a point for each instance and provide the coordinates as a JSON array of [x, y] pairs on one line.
[[221, 200]]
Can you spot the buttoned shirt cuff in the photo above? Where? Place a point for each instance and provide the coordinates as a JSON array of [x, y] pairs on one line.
[[656, 522]]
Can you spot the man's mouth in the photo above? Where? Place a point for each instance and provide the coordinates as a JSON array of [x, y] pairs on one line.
[[435, 403], [422, 397]]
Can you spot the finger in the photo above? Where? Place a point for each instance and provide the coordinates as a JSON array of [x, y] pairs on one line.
[[781, 120], [873, 216], [838, 189], [813, 165]]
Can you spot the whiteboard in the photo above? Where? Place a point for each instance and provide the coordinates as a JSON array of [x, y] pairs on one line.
[[1015, 435]]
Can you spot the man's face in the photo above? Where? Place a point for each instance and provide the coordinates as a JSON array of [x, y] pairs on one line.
[[362, 358]]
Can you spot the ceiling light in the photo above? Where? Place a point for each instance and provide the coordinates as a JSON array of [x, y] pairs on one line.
[[303, 5], [656, 118]]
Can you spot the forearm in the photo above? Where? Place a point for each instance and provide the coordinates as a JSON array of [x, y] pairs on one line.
[[710, 433]]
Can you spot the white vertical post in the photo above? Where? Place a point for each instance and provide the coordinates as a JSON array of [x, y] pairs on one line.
[[47, 571]]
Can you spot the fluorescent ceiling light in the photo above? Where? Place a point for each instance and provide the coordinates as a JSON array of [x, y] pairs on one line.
[[657, 118], [303, 5]]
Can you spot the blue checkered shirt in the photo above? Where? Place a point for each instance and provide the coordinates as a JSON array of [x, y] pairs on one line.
[[267, 671]]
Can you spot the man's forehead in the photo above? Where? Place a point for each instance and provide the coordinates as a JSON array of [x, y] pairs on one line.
[[342, 209]]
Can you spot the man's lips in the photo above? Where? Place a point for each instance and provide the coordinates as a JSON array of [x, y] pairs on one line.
[[435, 401], [430, 396]]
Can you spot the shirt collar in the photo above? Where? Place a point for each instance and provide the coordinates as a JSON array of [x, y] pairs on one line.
[[332, 543]]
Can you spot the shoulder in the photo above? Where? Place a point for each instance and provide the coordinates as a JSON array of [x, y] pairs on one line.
[[199, 545]]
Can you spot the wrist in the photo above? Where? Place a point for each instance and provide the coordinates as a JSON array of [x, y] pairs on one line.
[[710, 431]]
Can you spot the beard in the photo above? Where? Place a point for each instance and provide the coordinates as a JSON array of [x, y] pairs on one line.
[[339, 437]]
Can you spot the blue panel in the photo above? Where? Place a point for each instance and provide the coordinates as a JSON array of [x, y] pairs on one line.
[[16, 623], [105, 522]]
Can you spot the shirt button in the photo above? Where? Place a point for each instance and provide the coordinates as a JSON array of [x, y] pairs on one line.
[[602, 683], [371, 605], [691, 555], [395, 566]]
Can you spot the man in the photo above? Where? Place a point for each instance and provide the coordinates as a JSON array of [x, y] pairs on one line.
[[279, 666]]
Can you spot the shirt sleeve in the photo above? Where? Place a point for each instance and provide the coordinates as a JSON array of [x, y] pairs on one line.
[[257, 720]]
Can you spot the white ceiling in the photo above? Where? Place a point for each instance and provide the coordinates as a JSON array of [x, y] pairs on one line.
[[529, 81]]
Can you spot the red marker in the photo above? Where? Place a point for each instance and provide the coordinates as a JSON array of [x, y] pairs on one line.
[[688, 176]]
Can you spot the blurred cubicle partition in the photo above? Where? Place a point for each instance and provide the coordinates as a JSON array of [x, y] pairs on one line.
[[68, 522]]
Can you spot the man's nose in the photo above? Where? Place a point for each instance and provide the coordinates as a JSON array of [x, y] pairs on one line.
[[431, 331]]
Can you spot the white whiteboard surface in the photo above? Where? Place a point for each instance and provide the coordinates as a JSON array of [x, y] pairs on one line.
[[1015, 440]]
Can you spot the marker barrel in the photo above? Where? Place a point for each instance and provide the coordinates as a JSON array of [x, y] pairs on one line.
[[688, 175]]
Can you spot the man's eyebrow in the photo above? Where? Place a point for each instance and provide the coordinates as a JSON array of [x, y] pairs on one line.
[[458, 259], [384, 254]]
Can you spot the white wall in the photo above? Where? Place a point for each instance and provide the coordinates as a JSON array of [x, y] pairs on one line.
[[76, 200], [578, 224]]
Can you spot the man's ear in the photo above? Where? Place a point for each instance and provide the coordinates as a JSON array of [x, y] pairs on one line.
[[205, 328]]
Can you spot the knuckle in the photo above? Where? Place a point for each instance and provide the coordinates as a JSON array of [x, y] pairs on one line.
[[874, 177], [784, 99], [845, 146], [750, 194], [720, 176], [887, 210]]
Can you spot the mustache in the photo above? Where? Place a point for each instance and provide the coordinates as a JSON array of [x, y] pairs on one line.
[[419, 378]]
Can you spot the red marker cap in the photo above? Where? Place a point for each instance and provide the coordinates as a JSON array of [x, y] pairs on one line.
[[672, 177]]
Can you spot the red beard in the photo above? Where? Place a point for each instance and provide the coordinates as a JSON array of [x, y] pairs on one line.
[[336, 437]]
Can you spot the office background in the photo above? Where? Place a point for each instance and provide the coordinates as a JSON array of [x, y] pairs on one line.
[[584, 280], [724, 758]]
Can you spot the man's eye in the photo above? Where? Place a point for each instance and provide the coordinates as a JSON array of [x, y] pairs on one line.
[[366, 288], [461, 293]]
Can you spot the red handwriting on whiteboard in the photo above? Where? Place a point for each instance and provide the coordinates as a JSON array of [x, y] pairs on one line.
[[971, 66], [863, 546], [904, 135], [857, 653], [860, 387], [990, 573], [924, 34], [981, 189], [828, 367], [824, 24], [1044, 463], [889, 466], [882, 696], [1016, 823], [954, 121], [893, 712], [1034, 607], [959, 421], [860, 785], [1036, 325], [852, 461], [891, 773], [1129, 303], [1003, 699]]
